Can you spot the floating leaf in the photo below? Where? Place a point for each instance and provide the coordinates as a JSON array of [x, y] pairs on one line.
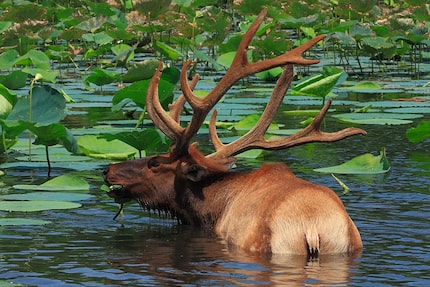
[[249, 122], [301, 112], [97, 147], [251, 154], [62, 182], [48, 196], [21, 221], [363, 85], [270, 75], [377, 118], [411, 110], [362, 164], [419, 133], [36, 205]]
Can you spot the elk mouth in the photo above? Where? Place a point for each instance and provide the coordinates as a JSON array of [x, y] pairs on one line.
[[118, 192]]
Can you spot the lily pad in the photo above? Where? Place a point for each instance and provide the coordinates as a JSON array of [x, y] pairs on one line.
[[363, 86], [377, 118], [312, 112], [362, 164], [48, 196], [36, 205], [249, 122], [411, 110], [97, 147], [22, 221], [419, 133], [63, 182]]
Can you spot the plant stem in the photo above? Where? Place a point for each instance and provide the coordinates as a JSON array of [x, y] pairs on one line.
[[48, 161], [30, 116]]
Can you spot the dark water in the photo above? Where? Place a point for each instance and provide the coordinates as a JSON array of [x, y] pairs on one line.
[[85, 247]]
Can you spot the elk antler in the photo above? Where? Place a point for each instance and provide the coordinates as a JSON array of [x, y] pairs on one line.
[[255, 137], [240, 68]]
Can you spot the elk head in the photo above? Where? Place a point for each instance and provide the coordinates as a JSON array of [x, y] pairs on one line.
[[176, 182]]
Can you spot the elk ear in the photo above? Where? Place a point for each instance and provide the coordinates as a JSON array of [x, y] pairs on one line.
[[193, 172]]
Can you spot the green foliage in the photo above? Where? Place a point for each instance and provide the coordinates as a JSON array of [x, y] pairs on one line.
[[148, 140], [362, 164], [98, 147], [46, 106], [37, 37], [320, 85], [137, 90], [419, 133]]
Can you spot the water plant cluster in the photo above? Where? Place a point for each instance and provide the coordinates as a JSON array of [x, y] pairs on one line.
[[119, 43]]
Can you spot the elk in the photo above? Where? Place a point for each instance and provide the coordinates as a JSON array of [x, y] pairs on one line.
[[268, 210]]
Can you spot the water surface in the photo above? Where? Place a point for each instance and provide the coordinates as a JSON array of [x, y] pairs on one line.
[[85, 247]]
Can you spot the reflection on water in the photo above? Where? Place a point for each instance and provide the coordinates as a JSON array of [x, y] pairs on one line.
[[197, 259]]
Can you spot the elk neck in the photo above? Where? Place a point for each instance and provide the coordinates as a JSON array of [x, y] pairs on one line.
[[203, 203]]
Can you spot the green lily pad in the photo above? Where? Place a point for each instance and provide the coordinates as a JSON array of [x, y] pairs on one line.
[[36, 205], [21, 221], [249, 122], [47, 196], [97, 147], [363, 86], [270, 74], [303, 112], [362, 164], [66, 182], [251, 154], [377, 118], [419, 133], [411, 110]]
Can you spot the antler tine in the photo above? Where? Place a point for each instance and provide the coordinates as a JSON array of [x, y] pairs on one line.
[[176, 107], [256, 134], [311, 133], [239, 68], [159, 116]]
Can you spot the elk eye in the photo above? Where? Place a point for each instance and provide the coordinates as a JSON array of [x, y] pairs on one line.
[[153, 162]]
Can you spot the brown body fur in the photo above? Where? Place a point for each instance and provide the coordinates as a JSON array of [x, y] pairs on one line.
[[269, 210]]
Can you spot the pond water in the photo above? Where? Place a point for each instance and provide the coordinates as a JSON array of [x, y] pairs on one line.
[[85, 247]]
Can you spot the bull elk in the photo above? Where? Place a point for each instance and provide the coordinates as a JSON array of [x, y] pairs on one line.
[[268, 210]]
